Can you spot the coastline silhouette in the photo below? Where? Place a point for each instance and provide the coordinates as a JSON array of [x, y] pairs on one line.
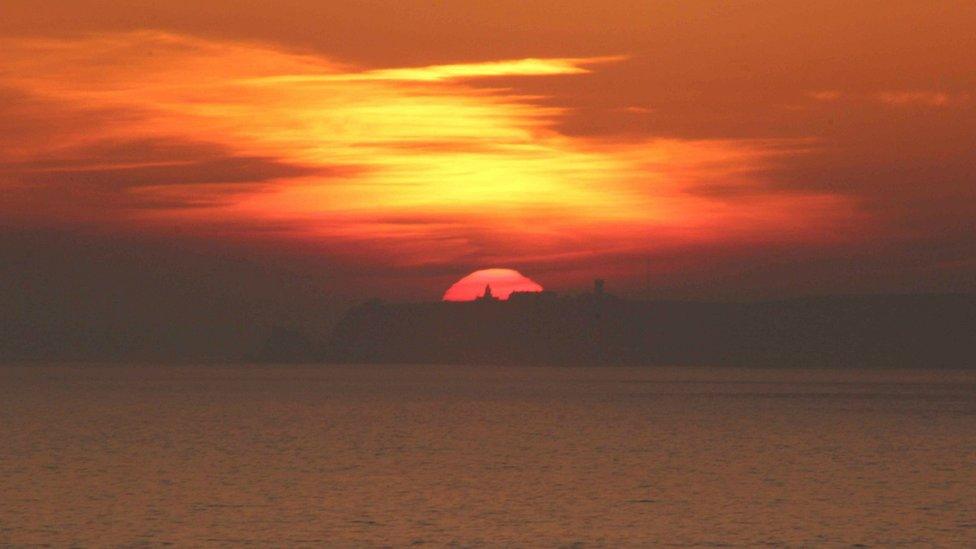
[[599, 328], [545, 328]]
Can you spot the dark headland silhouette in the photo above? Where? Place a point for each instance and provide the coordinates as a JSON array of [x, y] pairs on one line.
[[598, 328], [593, 327]]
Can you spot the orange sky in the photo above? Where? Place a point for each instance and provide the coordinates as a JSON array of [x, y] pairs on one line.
[[713, 148]]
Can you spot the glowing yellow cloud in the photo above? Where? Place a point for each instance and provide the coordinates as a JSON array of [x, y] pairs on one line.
[[433, 73], [417, 164]]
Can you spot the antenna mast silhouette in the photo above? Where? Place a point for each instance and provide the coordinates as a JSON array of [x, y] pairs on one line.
[[647, 277]]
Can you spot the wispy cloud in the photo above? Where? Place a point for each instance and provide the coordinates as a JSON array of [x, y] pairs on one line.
[[825, 95], [894, 98], [435, 73], [921, 98]]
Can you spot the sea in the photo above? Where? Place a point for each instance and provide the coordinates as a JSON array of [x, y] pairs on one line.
[[400, 455]]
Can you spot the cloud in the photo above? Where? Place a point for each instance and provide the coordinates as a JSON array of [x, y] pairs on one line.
[[100, 178], [435, 73], [218, 136], [153, 163], [894, 98], [921, 98], [638, 110], [825, 95]]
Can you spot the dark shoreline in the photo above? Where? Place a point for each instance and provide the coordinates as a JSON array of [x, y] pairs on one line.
[[920, 331]]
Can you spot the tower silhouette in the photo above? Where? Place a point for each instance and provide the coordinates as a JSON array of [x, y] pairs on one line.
[[487, 295]]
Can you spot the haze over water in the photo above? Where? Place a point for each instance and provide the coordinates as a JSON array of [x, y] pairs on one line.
[[106, 455]]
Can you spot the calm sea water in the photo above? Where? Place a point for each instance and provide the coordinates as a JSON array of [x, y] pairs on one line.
[[280, 455]]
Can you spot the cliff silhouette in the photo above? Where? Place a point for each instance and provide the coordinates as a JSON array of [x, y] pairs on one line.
[[596, 328]]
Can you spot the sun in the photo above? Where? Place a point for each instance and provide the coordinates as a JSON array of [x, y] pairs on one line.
[[502, 281]]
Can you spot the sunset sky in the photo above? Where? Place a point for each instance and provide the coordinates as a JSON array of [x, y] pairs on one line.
[[684, 149]]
